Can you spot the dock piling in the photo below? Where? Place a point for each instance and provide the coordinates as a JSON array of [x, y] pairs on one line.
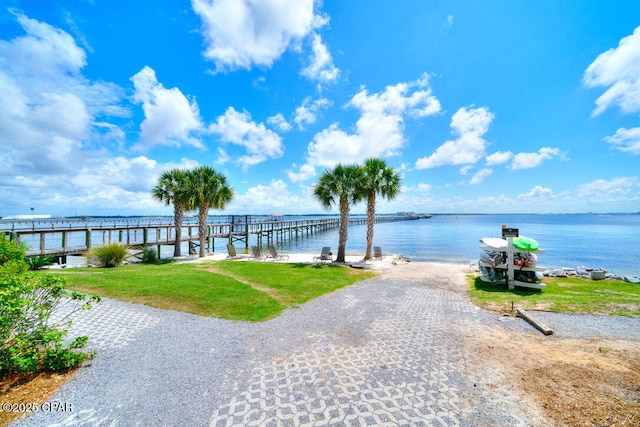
[[238, 230]]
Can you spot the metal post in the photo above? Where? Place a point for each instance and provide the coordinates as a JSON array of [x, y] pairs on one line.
[[158, 231], [510, 254], [246, 231], [87, 239]]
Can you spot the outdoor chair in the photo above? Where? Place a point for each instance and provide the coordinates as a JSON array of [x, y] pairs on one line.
[[273, 253], [377, 252], [256, 253], [325, 255], [232, 252]]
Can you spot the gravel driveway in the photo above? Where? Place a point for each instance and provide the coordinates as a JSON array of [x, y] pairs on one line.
[[386, 351]]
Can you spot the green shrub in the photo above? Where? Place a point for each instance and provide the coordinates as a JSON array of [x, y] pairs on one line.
[[37, 262], [29, 342], [149, 256], [111, 254], [9, 251]]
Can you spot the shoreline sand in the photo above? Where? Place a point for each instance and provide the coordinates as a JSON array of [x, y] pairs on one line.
[[356, 261]]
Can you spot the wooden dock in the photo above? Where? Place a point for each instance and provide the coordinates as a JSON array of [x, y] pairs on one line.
[[77, 240]]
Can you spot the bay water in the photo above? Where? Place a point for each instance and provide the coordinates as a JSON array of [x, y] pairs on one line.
[[607, 241], [610, 241]]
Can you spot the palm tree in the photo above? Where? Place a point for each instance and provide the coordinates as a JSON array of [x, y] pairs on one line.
[[169, 190], [378, 178], [207, 188], [338, 186]]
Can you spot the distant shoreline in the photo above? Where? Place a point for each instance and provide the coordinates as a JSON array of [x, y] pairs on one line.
[[27, 217]]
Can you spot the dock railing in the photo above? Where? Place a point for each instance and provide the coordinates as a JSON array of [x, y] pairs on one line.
[[77, 240]]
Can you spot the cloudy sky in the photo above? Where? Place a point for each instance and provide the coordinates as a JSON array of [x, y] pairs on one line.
[[500, 106]]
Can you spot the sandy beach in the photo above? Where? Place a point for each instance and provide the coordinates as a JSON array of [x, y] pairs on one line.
[[388, 261]]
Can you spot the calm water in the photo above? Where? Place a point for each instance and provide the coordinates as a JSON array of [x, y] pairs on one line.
[[611, 242]]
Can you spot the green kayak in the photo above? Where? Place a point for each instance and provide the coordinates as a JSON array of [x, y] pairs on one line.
[[525, 244]]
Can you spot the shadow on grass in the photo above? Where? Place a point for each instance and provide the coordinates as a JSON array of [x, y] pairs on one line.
[[315, 266], [483, 286]]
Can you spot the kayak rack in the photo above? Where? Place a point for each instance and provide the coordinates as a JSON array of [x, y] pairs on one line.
[[508, 234]]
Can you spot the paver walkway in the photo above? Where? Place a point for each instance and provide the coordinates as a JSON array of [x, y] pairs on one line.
[[388, 351]]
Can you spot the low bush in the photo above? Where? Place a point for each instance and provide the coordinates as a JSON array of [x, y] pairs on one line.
[[30, 340], [149, 256], [37, 262], [110, 254], [9, 251]]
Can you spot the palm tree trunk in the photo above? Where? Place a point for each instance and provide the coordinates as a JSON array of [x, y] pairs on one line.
[[344, 229], [178, 211], [203, 215], [371, 216]]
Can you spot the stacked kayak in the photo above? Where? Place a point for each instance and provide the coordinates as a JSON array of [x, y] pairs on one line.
[[525, 244], [511, 261]]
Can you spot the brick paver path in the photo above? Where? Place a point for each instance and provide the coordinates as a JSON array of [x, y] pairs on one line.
[[388, 351]]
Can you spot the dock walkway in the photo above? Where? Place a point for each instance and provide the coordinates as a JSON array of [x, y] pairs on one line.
[[76, 240]]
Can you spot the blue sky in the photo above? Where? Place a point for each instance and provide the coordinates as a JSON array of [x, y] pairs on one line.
[[498, 106]]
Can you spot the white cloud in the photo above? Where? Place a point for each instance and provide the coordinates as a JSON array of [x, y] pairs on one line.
[[616, 189], [223, 157], [378, 131], [469, 124], [116, 173], [242, 33], [304, 173], [272, 198], [532, 160], [259, 82], [259, 142], [424, 188], [619, 69], [537, 193], [626, 140], [307, 112], [50, 113], [321, 66], [99, 184], [480, 176], [398, 100], [499, 157], [279, 122], [53, 50], [52, 122], [125, 182], [465, 169], [602, 195], [170, 118]]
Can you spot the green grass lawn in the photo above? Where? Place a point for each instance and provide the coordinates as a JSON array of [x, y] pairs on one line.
[[571, 294], [249, 291]]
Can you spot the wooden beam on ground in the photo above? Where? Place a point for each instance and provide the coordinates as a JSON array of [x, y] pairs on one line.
[[533, 321]]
